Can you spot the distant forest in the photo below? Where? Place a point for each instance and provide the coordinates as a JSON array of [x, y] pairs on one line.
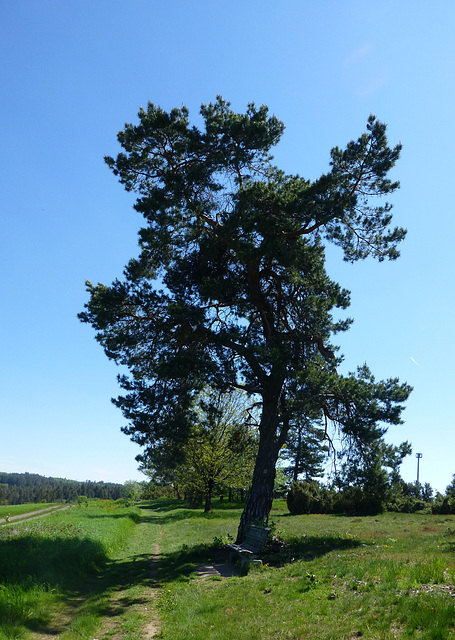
[[21, 488]]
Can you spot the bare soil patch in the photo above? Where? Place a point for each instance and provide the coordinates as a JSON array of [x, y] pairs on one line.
[[217, 570]]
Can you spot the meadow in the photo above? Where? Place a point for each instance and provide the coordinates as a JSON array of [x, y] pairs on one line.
[[93, 572]]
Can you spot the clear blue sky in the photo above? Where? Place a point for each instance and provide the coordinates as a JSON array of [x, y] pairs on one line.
[[73, 72]]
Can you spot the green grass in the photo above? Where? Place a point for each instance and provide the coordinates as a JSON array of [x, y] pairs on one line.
[[55, 572], [85, 573], [390, 576], [20, 509]]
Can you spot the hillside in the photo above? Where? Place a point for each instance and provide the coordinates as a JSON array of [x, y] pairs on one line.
[[20, 488]]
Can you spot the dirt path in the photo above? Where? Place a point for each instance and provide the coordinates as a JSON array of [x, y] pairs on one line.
[[41, 513], [141, 589], [153, 627], [217, 570]]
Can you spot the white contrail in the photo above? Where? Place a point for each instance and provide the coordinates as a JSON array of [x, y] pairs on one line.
[[415, 361]]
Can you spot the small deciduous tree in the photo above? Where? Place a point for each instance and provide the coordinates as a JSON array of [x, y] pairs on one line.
[[230, 287], [221, 447], [133, 490]]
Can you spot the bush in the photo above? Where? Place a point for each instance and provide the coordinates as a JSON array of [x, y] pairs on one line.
[[309, 497], [358, 501], [156, 491], [446, 507], [420, 505], [349, 500]]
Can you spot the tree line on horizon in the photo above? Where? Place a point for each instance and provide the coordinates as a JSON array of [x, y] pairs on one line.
[[23, 488]]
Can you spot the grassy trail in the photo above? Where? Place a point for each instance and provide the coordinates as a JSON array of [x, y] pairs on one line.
[[88, 572], [130, 586]]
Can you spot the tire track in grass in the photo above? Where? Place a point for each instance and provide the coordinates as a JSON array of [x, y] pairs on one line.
[[33, 515]]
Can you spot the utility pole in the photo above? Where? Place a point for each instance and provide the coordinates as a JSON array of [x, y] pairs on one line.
[[418, 456]]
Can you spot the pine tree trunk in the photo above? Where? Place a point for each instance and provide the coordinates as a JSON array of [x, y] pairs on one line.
[[297, 456], [260, 497]]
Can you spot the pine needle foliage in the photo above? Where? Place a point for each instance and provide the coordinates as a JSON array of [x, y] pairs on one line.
[[230, 288]]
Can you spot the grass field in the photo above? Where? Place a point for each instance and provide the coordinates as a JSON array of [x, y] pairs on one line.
[[86, 573], [55, 576], [390, 576]]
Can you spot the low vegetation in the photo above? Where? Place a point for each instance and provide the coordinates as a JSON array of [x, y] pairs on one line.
[[390, 576], [50, 569], [86, 573]]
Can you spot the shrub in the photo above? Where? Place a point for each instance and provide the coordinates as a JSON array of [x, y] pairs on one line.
[[447, 506], [156, 491], [309, 497], [358, 501]]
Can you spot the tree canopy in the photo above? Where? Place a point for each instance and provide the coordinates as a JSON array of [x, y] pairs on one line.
[[305, 450], [230, 288], [221, 446]]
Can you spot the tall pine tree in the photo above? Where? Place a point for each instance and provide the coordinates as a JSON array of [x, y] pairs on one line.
[[230, 288]]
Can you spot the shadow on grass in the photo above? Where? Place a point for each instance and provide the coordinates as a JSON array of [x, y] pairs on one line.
[[174, 512], [36, 570], [135, 517], [75, 572], [170, 504], [306, 548], [57, 561], [180, 565]]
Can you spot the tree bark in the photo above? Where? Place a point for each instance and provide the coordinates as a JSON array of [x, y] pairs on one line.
[[297, 455], [208, 499], [260, 497]]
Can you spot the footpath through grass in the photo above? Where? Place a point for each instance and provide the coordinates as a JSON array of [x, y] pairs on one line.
[[67, 574], [88, 573]]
